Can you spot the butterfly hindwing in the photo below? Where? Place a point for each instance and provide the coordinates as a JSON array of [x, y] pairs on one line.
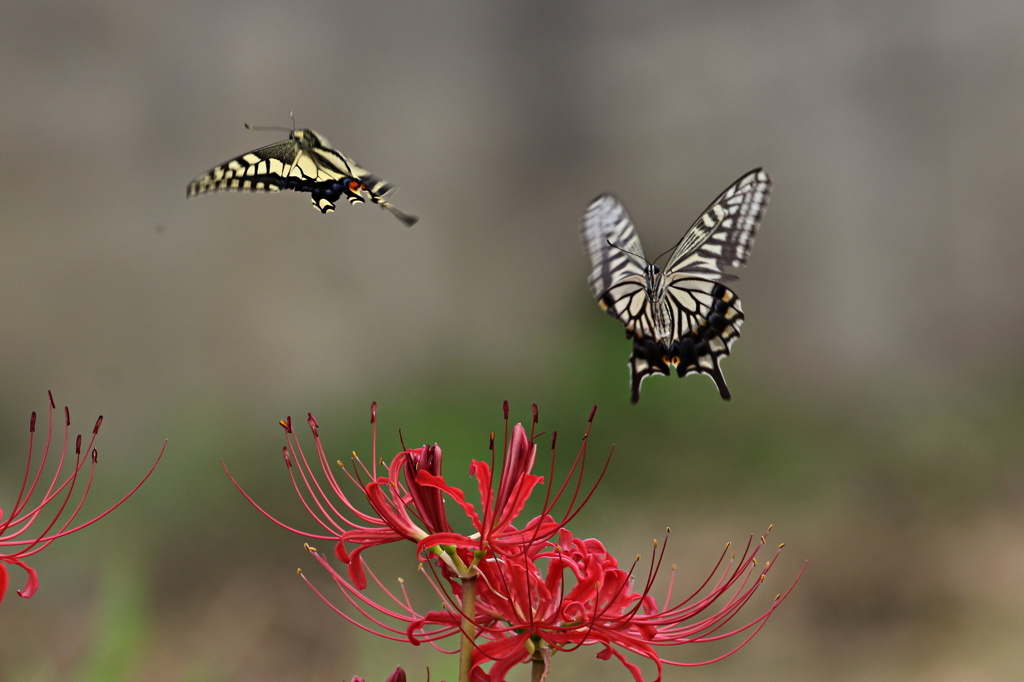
[[681, 318], [714, 320], [305, 162]]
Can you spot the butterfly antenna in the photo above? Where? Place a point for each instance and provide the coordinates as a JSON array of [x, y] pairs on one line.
[[628, 253], [291, 115], [668, 250]]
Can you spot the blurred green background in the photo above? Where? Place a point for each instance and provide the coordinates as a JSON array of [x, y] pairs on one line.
[[878, 386]]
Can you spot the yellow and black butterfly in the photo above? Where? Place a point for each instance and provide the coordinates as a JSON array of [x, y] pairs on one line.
[[305, 162], [681, 316]]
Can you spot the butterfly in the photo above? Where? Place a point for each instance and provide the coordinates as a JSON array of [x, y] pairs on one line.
[[681, 316], [305, 162]]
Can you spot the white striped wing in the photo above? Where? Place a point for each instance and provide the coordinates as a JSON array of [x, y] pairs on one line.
[[618, 266], [724, 233]]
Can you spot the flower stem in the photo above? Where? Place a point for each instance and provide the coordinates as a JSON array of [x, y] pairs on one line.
[[468, 627], [539, 670]]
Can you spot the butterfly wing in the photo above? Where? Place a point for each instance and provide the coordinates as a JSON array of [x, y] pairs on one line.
[[266, 169], [617, 277], [724, 233]]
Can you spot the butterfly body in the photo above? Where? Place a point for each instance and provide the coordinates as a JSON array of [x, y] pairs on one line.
[[680, 317], [656, 289], [305, 162]]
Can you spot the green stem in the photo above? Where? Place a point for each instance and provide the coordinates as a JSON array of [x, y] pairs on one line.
[[468, 627]]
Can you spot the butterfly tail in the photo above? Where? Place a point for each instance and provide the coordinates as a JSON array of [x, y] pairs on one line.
[[716, 375], [409, 220], [648, 359]]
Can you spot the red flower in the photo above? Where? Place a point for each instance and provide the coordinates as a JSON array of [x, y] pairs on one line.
[[559, 596], [572, 594], [495, 530], [57, 504], [407, 501]]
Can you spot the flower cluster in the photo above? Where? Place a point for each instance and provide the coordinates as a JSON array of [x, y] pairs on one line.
[[53, 501], [562, 595], [514, 591]]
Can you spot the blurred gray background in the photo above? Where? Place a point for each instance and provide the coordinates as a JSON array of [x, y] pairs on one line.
[[877, 387]]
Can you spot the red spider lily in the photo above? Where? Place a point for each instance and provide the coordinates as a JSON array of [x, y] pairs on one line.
[[559, 596], [495, 531], [526, 610], [407, 501], [57, 500]]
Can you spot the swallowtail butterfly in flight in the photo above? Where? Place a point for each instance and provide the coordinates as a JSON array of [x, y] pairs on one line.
[[305, 162], [681, 316]]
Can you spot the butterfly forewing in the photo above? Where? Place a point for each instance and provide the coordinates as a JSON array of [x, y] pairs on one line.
[[617, 260], [305, 162], [724, 233], [612, 244], [260, 170], [682, 318]]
